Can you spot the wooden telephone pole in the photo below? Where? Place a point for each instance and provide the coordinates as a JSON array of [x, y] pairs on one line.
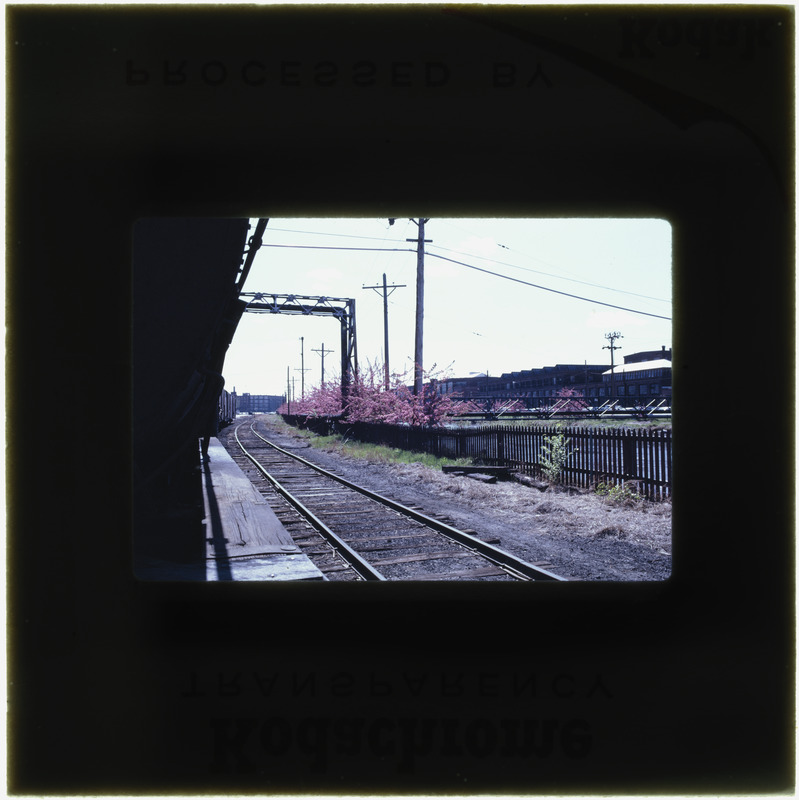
[[323, 353], [302, 369], [418, 349], [611, 337], [386, 293]]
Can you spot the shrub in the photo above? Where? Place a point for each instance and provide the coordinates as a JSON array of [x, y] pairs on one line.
[[555, 454]]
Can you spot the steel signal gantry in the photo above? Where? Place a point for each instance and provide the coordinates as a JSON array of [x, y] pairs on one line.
[[340, 308]]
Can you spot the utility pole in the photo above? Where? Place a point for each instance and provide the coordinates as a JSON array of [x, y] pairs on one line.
[[386, 293], [323, 352], [302, 369], [611, 337], [288, 388], [418, 349]]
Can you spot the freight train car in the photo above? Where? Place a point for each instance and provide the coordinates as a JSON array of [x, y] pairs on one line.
[[226, 408]]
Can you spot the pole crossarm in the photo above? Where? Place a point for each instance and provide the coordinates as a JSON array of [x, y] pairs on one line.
[[611, 337], [323, 353], [386, 294]]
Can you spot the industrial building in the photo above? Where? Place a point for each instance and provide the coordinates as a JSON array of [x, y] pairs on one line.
[[247, 403], [643, 375]]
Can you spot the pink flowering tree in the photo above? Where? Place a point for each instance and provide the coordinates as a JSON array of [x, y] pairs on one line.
[[369, 400], [574, 400], [323, 401]]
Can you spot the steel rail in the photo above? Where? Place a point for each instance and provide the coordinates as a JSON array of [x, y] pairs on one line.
[[362, 567], [501, 558]]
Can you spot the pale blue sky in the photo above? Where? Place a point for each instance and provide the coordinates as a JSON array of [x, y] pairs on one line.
[[473, 321]]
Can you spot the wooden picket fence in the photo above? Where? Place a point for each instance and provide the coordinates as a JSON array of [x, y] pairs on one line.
[[615, 456]]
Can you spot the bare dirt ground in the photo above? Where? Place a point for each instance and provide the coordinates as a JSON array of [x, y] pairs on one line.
[[584, 536]]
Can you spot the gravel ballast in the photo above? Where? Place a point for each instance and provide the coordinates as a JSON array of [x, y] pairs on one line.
[[583, 536]]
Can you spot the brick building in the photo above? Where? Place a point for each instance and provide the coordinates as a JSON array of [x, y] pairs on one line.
[[258, 403], [646, 374]]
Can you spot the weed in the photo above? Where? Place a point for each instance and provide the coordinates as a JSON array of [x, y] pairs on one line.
[[555, 453], [622, 495]]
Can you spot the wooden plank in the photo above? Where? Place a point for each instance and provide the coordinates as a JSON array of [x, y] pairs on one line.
[[479, 476], [479, 572], [423, 557], [319, 504], [334, 567], [376, 548], [385, 536], [238, 520], [268, 568], [498, 471], [348, 513]]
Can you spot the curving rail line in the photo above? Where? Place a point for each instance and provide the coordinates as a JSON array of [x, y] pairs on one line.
[[379, 538]]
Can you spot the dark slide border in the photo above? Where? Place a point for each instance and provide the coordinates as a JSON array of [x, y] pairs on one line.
[[119, 113]]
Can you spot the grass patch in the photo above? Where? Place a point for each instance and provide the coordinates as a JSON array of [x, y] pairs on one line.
[[383, 454], [335, 443]]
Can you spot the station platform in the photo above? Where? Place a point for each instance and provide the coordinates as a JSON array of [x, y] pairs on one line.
[[242, 538], [245, 541]]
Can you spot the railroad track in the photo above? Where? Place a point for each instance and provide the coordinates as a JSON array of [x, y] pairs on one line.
[[351, 533]]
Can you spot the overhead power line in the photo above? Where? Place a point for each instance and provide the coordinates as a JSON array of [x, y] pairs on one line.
[[322, 247], [553, 275], [546, 288], [460, 252], [470, 266], [536, 258], [339, 235]]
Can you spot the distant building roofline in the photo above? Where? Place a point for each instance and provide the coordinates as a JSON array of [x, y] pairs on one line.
[[640, 366]]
